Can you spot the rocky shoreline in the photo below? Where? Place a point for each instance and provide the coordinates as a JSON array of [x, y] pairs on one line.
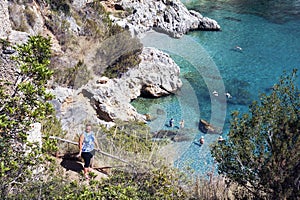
[[103, 102], [165, 16]]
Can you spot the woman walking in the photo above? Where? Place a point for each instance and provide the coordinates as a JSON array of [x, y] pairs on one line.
[[87, 143]]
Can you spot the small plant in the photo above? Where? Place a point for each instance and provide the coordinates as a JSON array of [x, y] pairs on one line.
[[73, 77], [60, 5], [118, 54], [51, 126], [4, 44], [123, 64]]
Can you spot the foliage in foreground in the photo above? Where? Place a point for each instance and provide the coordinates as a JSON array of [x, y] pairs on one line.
[[262, 152], [24, 101], [156, 184]]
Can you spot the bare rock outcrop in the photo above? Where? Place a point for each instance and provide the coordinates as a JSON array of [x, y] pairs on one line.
[[110, 99], [157, 75], [170, 17], [5, 26]]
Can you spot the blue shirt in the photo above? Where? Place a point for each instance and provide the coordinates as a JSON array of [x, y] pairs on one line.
[[88, 143]]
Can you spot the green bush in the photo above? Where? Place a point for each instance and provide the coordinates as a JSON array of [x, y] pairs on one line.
[[51, 126], [118, 54], [129, 136], [59, 5], [73, 77], [25, 104], [262, 152], [123, 64]]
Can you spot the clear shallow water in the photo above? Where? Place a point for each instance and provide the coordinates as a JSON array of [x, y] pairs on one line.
[[270, 42]]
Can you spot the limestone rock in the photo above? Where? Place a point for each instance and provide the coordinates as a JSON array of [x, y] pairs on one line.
[[35, 134], [79, 4], [112, 100], [159, 74], [7, 70], [5, 26], [18, 37], [170, 17]]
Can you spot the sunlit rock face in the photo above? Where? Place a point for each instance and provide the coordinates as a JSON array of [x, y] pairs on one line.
[[157, 75], [170, 17], [5, 26]]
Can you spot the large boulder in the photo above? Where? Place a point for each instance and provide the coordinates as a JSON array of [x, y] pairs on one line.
[[103, 100], [170, 17], [112, 99], [157, 74]]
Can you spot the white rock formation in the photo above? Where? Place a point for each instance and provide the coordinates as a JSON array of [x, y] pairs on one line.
[[170, 17], [110, 100], [157, 75]]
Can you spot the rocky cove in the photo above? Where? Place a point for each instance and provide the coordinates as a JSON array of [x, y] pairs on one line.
[[103, 100]]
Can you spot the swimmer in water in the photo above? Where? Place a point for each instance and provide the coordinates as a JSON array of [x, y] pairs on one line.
[[215, 93], [238, 48], [228, 95]]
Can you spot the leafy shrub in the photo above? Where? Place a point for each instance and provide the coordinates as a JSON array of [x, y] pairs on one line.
[[118, 54], [51, 126], [60, 27], [27, 104], [129, 136], [73, 77], [122, 64], [262, 151], [58, 5]]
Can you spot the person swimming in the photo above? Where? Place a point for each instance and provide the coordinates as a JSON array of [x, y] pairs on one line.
[[238, 48], [228, 95], [201, 140], [220, 139], [215, 93]]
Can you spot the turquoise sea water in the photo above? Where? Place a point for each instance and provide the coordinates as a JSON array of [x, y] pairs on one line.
[[269, 36]]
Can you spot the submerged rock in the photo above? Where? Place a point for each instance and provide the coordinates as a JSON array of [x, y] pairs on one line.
[[173, 135]]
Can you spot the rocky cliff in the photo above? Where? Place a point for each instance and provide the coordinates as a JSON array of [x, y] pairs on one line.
[[103, 100]]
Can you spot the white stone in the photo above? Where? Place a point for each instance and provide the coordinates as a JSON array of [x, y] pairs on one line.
[[35, 134]]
